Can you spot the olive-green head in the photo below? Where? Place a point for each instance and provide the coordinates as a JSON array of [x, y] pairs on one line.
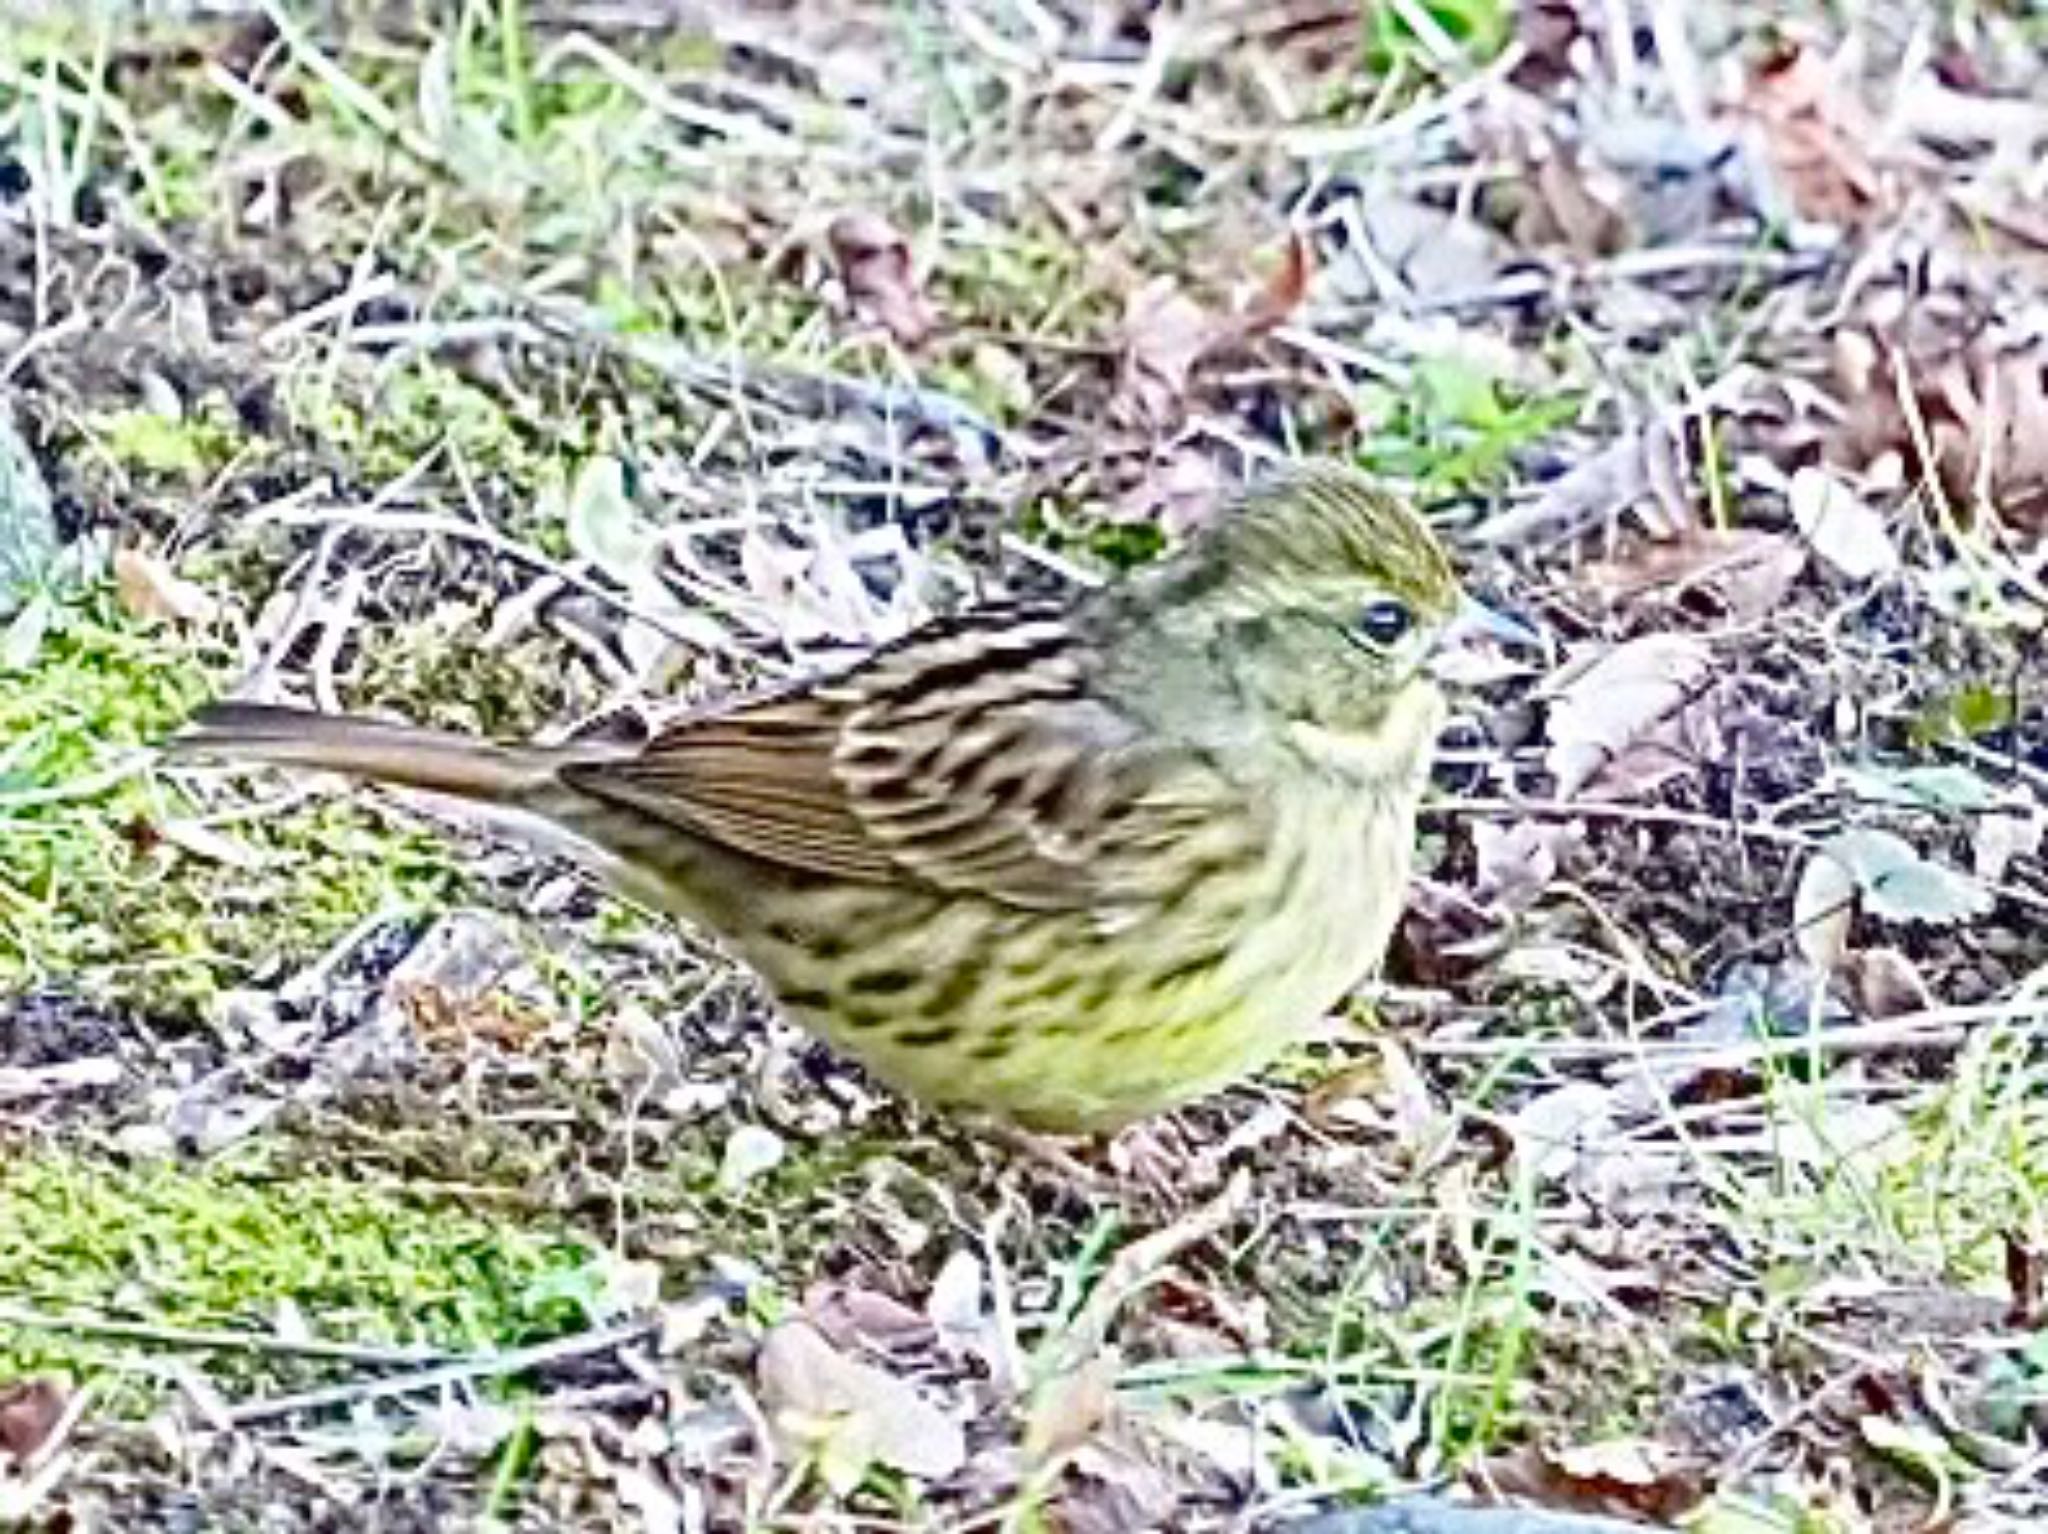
[[1314, 599]]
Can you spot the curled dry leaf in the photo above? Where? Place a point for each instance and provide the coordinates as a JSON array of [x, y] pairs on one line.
[[1743, 571], [1645, 471], [1814, 134], [851, 1416], [881, 283], [1604, 709], [1166, 333], [151, 590], [1823, 910], [1517, 861], [1844, 529]]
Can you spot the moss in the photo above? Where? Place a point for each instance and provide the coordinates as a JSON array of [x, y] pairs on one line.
[[90, 887], [225, 1247], [189, 448]]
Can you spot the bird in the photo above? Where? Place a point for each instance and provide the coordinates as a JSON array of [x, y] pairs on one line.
[[1060, 864]]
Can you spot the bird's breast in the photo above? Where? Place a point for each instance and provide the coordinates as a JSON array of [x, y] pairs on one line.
[[1088, 1018]]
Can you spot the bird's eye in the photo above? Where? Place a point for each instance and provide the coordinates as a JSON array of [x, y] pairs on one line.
[[1385, 621]]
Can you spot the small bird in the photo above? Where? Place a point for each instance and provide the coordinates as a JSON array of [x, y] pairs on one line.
[[1063, 865]]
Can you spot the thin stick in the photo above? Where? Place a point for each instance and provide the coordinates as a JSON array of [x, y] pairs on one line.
[[1936, 1025], [1646, 814], [431, 522], [212, 1340], [461, 1371]]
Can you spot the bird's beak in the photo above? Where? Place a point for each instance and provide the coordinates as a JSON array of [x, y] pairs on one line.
[[1468, 648]]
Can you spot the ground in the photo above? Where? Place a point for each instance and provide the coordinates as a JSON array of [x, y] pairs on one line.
[[363, 1169]]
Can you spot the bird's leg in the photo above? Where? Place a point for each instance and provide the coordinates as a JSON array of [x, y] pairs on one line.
[[1057, 1153]]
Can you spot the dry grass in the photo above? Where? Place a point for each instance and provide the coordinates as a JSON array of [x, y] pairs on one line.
[[514, 371]]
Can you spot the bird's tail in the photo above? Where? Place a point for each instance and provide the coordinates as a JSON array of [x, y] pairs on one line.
[[433, 760]]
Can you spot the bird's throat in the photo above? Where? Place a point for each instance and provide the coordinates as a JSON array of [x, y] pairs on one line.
[[1394, 749]]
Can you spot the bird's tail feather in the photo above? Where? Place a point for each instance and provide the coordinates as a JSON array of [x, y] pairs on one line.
[[433, 760]]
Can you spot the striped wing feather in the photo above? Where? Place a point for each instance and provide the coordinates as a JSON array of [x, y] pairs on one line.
[[969, 758]]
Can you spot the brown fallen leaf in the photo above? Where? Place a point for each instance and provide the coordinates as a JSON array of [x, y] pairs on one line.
[[1884, 982], [1950, 379], [1604, 707], [1568, 204], [850, 1416], [1166, 333], [1638, 1477], [30, 1411], [1815, 135], [881, 282], [1743, 571], [1068, 1409], [1647, 471]]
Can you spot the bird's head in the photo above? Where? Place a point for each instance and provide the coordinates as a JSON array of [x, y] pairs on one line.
[[1308, 611]]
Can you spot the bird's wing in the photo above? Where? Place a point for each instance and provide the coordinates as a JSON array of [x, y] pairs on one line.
[[969, 757]]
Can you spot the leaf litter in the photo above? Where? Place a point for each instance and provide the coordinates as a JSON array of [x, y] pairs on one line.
[[1723, 969]]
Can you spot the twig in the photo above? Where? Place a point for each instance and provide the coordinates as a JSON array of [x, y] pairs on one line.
[[1132, 1268], [208, 1339], [1936, 1025], [21, 1081], [461, 1371], [431, 522], [1647, 814]]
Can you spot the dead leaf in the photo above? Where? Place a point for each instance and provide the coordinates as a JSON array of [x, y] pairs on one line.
[[1386, 1088], [1068, 1409], [1569, 204], [1947, 381], [1638, 1477], [881, 282], [1844, 529], [1606, 708], [151, 590], [1814, 135], [1822, 912], [30, 1411], [1645, 470], [1884, 982], [1548, 32], [2026, 1267], [1854, 1137], [1180, 489], [1516, 862], [850, 1416], [1166, 333], [1553, 1129], [1996, 839], [1744, 571]]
